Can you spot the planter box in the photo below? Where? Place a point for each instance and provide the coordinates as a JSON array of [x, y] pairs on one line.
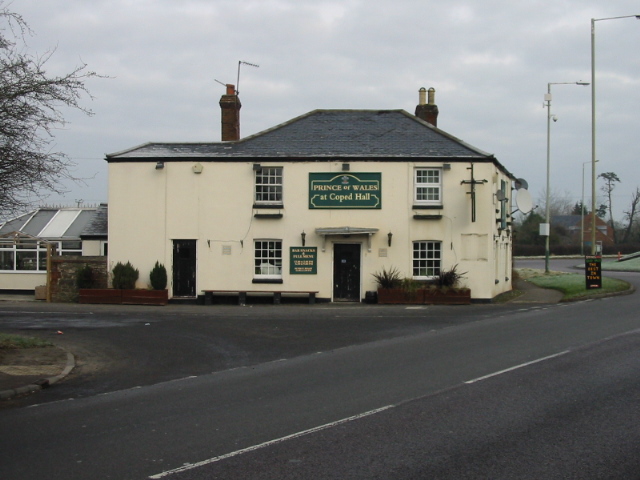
[[395, 296], [114, 296], [100, 295], [460, 296], [423, 296], [145, 297]]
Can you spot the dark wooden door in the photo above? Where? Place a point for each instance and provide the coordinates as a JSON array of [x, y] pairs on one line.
[[346, 272], [184, 268]]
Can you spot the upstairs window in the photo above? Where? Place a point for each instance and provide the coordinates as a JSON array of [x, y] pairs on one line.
[[268, 186], [427, 258], [428, 186]]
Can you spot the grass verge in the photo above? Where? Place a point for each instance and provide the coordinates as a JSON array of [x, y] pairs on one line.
[[572, 285], [13, 342]]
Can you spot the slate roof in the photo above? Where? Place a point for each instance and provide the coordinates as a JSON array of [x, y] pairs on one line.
[[567, 221], [573, 221], [326, 134], [98, 227]]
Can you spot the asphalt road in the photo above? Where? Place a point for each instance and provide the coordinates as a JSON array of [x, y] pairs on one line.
[[549, 420], [275, 373], [129, 346]]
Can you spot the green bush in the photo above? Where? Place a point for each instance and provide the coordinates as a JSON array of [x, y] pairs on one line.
[[158, 277], [84, 277], [125, 276]]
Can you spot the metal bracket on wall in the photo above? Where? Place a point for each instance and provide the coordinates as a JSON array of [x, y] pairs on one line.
[[473, 182]]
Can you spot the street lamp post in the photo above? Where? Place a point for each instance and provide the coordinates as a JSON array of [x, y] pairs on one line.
[[547, 232], [593, 124], [582, 212]]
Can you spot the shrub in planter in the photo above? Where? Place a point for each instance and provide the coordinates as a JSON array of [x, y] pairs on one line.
[[125, 276], [449, 278], [158, 277], [84, 277], [388, 278]]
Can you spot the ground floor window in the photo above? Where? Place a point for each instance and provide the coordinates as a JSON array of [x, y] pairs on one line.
[[32, 255], [23, 256], [427, 258], [268, 259]]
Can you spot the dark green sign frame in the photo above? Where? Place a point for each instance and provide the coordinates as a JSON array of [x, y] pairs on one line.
[[345, 190], [303, 260]]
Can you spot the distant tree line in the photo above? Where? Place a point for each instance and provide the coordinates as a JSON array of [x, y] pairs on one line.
[[625, 233]]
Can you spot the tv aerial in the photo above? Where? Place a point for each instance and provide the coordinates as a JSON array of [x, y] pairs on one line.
[[240, 63]]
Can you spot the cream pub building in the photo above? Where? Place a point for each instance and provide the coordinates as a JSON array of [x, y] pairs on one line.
[[318, 203]]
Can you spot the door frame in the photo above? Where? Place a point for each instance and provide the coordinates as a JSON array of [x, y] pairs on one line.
[[333, 267], [174, 242]]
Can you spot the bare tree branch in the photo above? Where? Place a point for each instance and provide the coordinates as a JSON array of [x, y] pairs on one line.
[[631, 214], [30, 102]]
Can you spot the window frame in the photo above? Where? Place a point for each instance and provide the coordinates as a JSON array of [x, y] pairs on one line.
[[417, 185], [419, 263], [34, 254], [268, 188], [272, 244]]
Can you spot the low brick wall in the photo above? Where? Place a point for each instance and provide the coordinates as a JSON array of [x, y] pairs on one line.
[[64, 272]]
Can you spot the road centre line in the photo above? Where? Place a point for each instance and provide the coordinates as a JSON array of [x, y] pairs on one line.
[[494, 374], [191, 466]]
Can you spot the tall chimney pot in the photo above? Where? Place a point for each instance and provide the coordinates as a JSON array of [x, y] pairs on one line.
[[427, 110], [230, 106], [422, 96]]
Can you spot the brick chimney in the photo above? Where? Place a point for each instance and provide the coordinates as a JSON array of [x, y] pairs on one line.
[[230, 106], [427, 110]]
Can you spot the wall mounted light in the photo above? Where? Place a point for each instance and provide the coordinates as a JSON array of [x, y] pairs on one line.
[[197, 168], [390, 236], [345, 167], [304, 237], [257, 167], [160, 165]]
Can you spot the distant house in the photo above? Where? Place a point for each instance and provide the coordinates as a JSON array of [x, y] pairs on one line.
[[24, 239], [318, 203], [573, 225]]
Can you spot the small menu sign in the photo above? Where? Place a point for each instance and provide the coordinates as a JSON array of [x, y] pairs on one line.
[[303, 261], [593, 271]]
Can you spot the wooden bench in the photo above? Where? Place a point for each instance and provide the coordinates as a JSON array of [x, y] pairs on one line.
[[242, 295]]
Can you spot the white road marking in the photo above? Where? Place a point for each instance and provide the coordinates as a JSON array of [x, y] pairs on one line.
[[494, 374], [191, 466]]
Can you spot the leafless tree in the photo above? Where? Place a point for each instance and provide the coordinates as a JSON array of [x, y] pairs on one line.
[[610, 179], [559, 203], [30, 102], [631, 214]]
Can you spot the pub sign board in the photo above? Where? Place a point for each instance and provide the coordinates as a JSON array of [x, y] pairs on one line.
[[593, 271], [303, 260], [345, 190]]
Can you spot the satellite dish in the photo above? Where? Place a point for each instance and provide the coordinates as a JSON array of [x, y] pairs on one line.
[[500, 195], [523, 200], [521, 183]]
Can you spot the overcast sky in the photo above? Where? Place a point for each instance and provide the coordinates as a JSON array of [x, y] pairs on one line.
[[490, 62]]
